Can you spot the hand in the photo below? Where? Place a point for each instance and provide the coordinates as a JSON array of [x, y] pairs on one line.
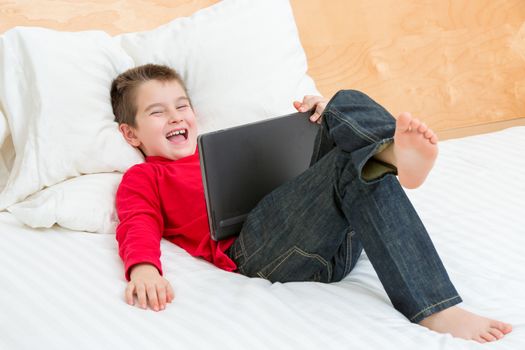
[[147, 283], [311, 102]]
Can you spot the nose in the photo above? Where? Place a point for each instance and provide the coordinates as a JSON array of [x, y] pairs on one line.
[[175, 117]]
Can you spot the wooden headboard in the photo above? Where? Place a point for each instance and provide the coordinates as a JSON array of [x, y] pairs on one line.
[[459, 64]]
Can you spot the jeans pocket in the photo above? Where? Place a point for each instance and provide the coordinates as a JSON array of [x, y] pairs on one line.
[[297, 265]]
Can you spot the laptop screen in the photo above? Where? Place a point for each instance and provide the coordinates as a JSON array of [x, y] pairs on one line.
[[240, 165]]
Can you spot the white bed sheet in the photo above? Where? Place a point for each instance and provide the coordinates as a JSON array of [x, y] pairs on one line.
[[62, 289]]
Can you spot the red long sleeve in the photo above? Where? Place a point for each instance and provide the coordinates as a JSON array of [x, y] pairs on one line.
[[165, 198]]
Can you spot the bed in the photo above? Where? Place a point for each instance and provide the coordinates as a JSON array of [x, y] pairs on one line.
[[62, 281], [63, 289]]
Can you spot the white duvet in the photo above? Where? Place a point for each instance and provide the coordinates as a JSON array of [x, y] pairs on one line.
[[62, 289]]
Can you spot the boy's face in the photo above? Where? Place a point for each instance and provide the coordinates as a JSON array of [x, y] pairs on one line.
[[165, 122]]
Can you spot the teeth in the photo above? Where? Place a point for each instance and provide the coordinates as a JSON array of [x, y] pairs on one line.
[[176, 132]]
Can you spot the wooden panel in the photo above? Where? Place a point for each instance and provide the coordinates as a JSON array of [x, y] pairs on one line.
[[455, 63], [479, 129], [112, 16]]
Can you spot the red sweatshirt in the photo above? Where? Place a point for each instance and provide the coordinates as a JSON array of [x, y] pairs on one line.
[[165, 198]]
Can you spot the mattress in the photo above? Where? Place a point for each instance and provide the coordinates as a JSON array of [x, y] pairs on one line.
[[63, 289]]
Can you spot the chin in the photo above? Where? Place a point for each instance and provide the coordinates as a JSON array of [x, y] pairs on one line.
[[183, 154]]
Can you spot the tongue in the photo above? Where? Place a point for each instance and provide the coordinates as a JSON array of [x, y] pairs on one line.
[[177, 138]]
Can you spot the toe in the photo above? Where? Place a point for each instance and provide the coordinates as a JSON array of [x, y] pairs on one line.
[[414, 124], [479, 339], [434, 139], [428, 134], [423, 128], [403, 121], [488, 337], [496, 333], [502, 326]]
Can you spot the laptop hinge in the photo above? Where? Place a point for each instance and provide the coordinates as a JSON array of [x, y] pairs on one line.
[[232, 221]]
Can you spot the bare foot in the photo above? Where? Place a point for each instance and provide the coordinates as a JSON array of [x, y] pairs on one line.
[[415, 150], [464, 324]]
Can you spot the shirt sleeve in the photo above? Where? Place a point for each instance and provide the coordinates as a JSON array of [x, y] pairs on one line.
[[141, 223]]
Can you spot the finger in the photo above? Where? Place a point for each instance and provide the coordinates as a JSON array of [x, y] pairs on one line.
[[152, 297], [129, 293], [314, 101], [319, 112], [297, 105], [309, 102], [141, 295], [161, 293], [314, 117], [171, 294], [307, 98]]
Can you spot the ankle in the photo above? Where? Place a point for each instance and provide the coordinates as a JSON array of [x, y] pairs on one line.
[[387, 155]]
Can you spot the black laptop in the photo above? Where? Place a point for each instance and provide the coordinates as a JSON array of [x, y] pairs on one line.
[[240, 165]]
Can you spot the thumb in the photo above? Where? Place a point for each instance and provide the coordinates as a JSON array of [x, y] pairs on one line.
[[297, 104]]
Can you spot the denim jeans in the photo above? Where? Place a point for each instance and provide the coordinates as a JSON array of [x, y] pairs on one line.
[[314, 227]]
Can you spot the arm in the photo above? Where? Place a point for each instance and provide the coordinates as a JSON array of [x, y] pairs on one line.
[[138, 234], [312, 102]]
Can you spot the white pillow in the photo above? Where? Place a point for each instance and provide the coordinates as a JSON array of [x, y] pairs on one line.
[[6, 151], [242, 60], [4, 128], [84, 203], [54, 89]]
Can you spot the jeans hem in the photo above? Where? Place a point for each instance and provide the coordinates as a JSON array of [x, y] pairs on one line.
[[432, 309], [382, 168]]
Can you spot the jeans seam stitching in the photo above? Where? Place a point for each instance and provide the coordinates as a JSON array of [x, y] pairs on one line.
[[241, 244], [238, 253], [288, 253], [317, 257], [246, 256], [431, 306], [341, 118], [284, 256], [348, 254]]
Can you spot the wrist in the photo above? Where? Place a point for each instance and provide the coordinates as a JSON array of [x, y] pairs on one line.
[[142, 268]]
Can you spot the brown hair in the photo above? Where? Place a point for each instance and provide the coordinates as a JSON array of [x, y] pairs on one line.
[[124, 87]]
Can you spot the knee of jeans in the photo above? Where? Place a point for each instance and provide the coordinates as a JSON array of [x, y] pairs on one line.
[[351, 95]]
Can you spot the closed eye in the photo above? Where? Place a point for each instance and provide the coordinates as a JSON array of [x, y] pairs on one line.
[[156, 112], [182, 107]]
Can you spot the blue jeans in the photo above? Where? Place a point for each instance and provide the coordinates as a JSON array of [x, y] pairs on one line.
[[314, 227]]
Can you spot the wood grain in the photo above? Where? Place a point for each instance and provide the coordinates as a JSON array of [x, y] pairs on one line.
[[112, 16], [455, 63], [450, 62]]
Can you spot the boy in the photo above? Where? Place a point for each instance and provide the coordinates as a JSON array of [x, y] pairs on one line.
[[313, 228]]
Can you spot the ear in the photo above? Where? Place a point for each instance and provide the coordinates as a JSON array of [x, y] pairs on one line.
[[129, 134]]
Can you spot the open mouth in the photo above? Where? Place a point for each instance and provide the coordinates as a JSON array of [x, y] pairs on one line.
[[177, 136]]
